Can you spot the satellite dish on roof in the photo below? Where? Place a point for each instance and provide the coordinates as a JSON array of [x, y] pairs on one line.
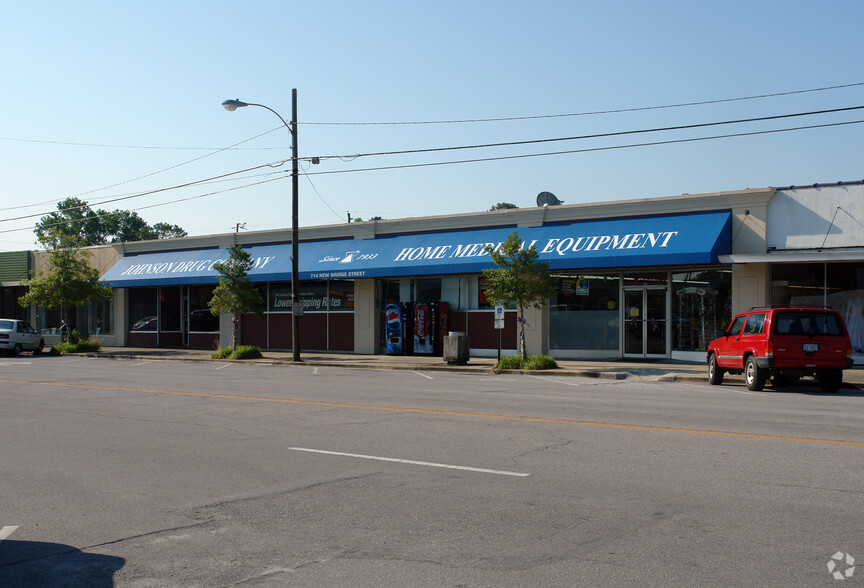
[[548, 199]]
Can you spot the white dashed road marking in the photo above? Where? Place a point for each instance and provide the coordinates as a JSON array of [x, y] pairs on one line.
[[412, 462], [424, 375], [6, 531]]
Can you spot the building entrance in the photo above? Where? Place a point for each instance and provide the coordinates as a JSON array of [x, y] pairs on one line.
[[644, 322]]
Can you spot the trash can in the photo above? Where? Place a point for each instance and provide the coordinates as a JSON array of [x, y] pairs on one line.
[[456, 348]]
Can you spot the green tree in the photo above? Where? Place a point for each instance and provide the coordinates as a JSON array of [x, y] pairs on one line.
[[503, 206], [235, 293], [166, 231], [75, 218], [519, 279], [69, 280]]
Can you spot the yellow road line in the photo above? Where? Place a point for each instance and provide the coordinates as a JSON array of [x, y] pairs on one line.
[[450, 412]]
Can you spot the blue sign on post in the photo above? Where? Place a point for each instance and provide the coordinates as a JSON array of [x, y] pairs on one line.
[[499, 316]]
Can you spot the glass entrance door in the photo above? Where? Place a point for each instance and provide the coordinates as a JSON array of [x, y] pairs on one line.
[[644, 322]]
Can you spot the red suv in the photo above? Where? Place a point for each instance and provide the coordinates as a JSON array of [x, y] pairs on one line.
[[784, 344]]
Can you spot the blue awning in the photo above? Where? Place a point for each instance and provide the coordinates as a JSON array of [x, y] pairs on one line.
[[686, 239]]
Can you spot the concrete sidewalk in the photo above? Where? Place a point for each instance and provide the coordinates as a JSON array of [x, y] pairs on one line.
[[656, 370]]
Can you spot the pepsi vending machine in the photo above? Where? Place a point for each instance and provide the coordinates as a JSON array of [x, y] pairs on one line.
[[394, 330]]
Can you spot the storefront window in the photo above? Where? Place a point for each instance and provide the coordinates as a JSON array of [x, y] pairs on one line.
[[101, 314], [701, 307], [428, 290], [482, 286], [280, 298], [169, 307], [142, 309], [837, 285], [801, 284], [584, 313], [313, 295], [49, 320], [201, 320], [341, 296]]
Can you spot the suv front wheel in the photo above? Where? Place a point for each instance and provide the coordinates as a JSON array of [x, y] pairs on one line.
[[715, 372], [753, 376]]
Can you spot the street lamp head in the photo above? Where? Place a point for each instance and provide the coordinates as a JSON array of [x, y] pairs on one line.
[[232, 105]]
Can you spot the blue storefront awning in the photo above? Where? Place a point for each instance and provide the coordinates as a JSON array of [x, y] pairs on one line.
[[686, 239]]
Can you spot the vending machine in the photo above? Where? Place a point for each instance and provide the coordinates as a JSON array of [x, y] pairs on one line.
[[423, 329], [393, 329], [441, 320]]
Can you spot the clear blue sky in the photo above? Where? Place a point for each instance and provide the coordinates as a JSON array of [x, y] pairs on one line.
[[109, 99]]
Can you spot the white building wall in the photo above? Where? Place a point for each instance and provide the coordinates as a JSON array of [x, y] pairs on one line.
[[818, 217]]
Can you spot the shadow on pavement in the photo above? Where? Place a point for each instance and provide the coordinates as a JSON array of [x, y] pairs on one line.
[[34, 563]]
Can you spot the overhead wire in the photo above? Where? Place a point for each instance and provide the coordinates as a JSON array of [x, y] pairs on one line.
[[592, 136], [151, 192], [597, 112], [498, 158], [464, 147], [590, 149]]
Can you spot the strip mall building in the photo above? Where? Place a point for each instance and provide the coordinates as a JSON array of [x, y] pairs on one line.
[[652, 278]]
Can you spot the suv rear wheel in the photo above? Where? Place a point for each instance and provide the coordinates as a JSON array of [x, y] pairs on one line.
[[830, 380], [753, 376]]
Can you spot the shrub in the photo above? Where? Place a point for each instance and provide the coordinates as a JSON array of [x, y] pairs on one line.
[[510, 362], [533, 362], [247, 352], [540, 362], [222, 353], [242, 352], [76, 345]]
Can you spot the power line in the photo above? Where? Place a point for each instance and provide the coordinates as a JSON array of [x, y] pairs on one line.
[[594, 136], [590, 149], [438, 122], [596, 112], [148, 193], [109, 214]]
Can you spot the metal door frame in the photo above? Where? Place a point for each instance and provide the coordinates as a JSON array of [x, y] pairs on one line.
[[625, 320]]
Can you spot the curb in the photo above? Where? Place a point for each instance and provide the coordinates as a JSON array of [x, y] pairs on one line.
[[363, 366]]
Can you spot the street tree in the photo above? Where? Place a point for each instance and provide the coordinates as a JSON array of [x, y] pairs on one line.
[[74, 217], [235, 293], [68, 281], [503, 206], [519, 279]]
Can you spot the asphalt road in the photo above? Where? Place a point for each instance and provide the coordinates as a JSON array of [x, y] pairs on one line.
[[169, 473]]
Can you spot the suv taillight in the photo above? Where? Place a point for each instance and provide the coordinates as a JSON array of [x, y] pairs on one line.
[[848, 348], [769, 348]]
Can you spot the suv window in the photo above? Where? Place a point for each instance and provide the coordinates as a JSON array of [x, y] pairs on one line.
[[808, 323], [735, 327], [754, 325]]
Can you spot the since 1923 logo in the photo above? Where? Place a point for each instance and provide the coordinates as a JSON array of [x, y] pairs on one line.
[[841, 565]]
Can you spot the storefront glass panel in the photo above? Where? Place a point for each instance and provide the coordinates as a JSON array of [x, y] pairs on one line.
[[279, 298], [142, 309], [201, 320], [837, 285], [101, 314], [584, 313], [701, 307], [313, 295], [428, 290], [341, 296], [169, 307]]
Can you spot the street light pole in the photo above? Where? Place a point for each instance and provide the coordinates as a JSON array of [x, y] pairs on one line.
[[297, 305]]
